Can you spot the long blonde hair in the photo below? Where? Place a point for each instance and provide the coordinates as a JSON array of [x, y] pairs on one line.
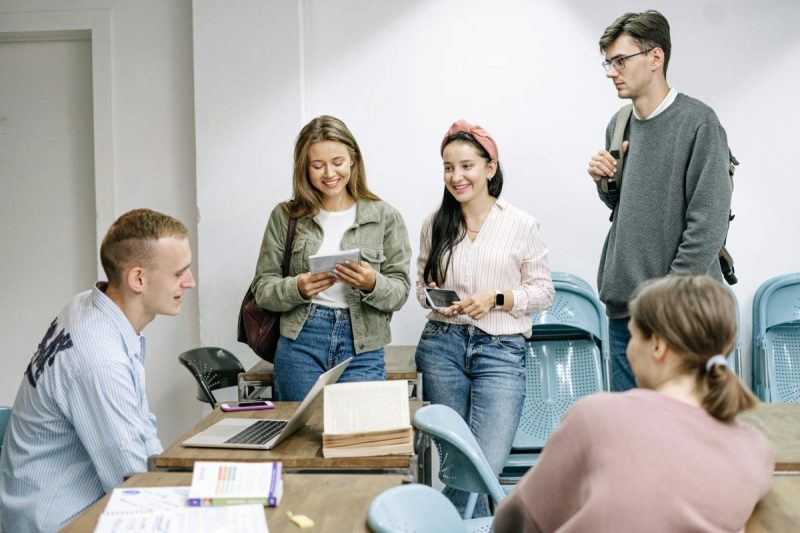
[[696, 317], [306, 200]]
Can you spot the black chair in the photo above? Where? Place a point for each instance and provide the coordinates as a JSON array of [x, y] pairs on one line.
[[213, 368]]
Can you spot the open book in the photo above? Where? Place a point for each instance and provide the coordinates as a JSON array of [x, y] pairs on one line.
[[236, 483], [367, 418]]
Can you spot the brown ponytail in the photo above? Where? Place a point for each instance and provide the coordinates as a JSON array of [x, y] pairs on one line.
[[696, 317]]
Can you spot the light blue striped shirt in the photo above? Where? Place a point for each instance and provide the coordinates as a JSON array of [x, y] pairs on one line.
[[80, 421]]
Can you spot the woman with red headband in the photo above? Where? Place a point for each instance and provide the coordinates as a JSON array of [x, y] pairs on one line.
[[472, 353]]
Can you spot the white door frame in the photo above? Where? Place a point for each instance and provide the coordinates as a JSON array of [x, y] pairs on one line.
[[93, 24]]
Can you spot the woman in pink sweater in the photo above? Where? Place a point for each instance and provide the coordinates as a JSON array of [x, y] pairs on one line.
[[668, 456]]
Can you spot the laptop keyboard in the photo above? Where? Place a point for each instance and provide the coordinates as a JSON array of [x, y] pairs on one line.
[[259, 433]]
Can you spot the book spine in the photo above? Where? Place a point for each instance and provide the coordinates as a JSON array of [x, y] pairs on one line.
[[272, 498], [195, 502], [237, 501]]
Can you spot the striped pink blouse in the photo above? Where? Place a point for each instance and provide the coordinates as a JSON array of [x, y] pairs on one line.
[[507, 254]]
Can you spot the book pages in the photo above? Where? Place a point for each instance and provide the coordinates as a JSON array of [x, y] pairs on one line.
[[366, 406]]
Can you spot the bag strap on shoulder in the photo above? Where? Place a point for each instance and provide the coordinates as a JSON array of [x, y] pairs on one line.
[[287, 249], [613, 185]]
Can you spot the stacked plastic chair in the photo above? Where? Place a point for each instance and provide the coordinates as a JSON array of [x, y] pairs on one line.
[[567, 359], [735, 357], [776, 340]]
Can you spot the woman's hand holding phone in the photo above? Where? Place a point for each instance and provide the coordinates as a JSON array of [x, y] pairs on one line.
[[443, 301]]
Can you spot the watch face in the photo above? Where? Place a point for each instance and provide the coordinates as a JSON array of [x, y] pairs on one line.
[[499, 299]]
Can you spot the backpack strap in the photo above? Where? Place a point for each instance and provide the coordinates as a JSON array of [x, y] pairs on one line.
[[287, 248], [613, 185]]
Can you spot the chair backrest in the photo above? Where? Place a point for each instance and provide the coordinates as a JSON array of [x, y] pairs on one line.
[[5, 416], [576, 313], [462, 464], [213, 368], [565, 360], [558, 374], [572, 278], [776, 339], [414, 508]]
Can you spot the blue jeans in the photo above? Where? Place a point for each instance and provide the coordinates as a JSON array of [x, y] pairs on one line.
[[621, 373], [325, 341], [480, 376]]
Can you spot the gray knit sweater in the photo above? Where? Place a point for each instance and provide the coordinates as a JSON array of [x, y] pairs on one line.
[[672, 216]]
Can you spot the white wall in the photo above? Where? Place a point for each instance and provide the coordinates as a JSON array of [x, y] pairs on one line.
[[153, 164], [398, 73], [46, 90]]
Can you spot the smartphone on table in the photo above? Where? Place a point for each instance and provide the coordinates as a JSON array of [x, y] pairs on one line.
[[441, 298], [253, 405]]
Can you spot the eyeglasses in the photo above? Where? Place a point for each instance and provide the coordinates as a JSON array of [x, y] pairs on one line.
[[619, 62]]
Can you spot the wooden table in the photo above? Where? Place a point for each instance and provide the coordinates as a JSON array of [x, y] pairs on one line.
[[301, 452], [780, 509], [400, 364], [318, 496], [780, 423]]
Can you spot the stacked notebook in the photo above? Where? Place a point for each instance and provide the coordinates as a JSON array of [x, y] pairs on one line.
[[366, 419]]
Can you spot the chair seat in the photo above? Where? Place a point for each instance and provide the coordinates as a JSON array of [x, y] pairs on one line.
[[479, 525], [416, 508]]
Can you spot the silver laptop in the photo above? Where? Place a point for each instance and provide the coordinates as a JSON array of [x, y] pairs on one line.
[[265, 434]]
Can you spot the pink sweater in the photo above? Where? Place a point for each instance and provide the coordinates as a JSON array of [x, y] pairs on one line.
[[641, 461]]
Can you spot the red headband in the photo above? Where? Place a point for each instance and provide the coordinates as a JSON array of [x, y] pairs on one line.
[[480, 134]]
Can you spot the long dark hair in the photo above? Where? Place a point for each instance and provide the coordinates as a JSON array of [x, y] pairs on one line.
[[449, 228]]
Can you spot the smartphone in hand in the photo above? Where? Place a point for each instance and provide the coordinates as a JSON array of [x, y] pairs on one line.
[[441, 298], [247, 406]]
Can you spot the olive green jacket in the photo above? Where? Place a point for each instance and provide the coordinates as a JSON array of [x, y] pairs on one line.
[[381, 235]]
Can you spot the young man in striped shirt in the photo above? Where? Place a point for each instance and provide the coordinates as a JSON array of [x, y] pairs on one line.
[[81, 421]]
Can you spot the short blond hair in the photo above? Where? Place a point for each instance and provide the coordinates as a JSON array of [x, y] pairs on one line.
[[696, 317], [131, 237]]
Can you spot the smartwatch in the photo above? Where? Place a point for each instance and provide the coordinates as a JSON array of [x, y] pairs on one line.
[[499, 299]]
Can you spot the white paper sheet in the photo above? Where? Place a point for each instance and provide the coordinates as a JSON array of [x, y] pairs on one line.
[[164, 510]]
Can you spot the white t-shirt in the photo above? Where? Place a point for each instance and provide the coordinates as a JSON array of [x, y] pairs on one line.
[[334, 225]]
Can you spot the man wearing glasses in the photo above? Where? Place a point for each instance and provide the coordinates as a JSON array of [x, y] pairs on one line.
[[671, 213]]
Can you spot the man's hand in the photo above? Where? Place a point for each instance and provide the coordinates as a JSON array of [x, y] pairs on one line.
[[603, 165], [359, 276], [310, 284]]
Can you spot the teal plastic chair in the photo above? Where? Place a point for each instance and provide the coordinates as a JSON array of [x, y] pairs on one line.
[[5, 416], [571, 278], [776, 340], [212, 368], [735, 357], [566, 360], [418, 508], [462, 464]]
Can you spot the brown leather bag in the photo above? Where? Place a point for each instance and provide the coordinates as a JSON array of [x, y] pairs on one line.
[[259, 328]]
